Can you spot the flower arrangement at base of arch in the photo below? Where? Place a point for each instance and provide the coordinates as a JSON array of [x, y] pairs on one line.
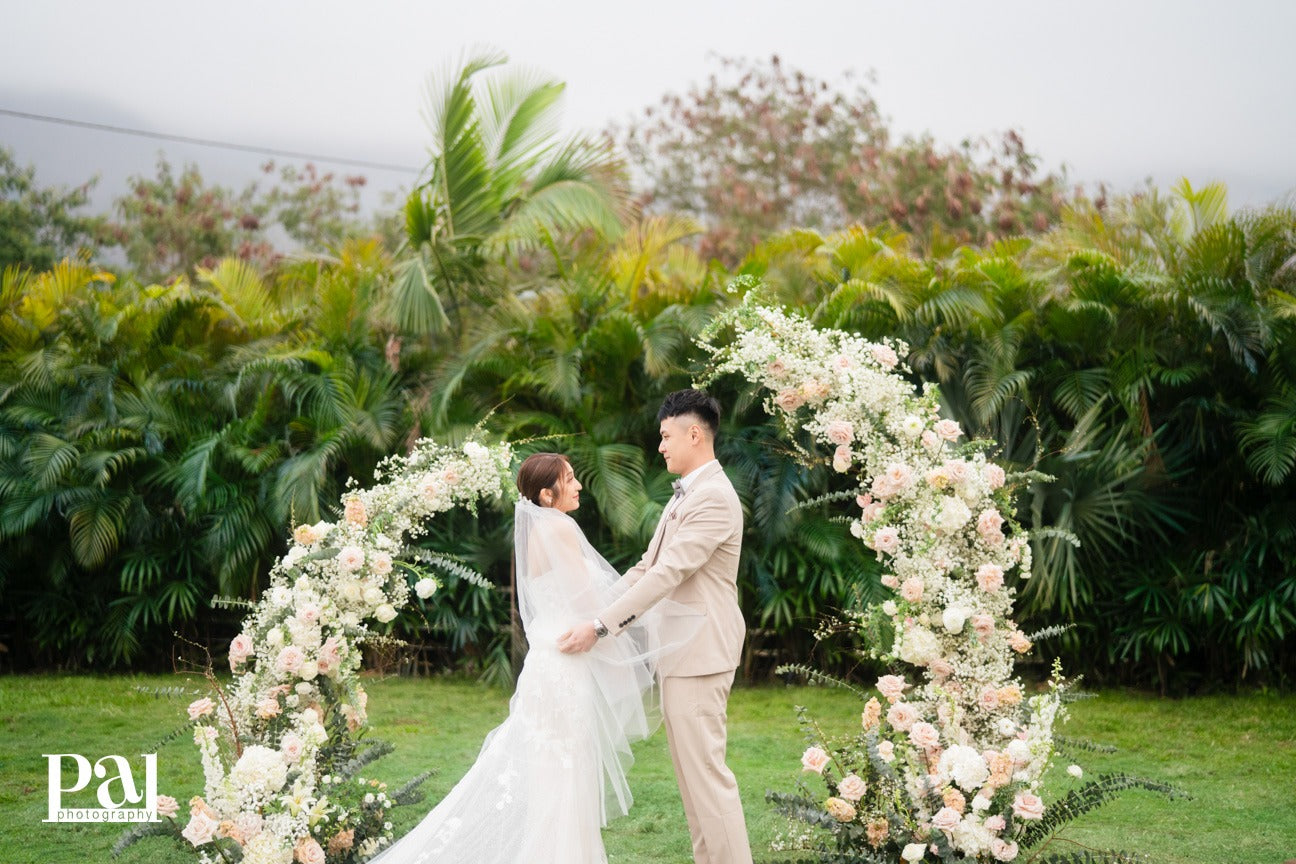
[[281, 747], [948, 764]]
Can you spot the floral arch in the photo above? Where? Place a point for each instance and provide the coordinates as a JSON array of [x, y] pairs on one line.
[[949, 770]]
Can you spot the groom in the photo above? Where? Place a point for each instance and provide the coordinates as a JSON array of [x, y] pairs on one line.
[[692, 559]]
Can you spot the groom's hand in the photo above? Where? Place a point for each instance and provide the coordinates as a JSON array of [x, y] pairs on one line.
[[578, 639]]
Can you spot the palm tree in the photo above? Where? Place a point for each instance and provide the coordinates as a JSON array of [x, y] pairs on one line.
[[499, 185]]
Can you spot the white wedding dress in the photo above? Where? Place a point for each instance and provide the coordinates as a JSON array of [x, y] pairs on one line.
[[549, 777]]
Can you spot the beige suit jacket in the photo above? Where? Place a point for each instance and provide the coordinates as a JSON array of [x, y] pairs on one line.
[[693, 560]]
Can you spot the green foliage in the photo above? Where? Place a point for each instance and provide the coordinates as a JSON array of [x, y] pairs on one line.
[[40, 225]]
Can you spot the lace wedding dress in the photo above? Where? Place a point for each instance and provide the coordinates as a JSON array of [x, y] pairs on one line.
[[551, 775]]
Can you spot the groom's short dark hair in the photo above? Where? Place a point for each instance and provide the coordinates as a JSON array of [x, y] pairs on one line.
[[701, 405]]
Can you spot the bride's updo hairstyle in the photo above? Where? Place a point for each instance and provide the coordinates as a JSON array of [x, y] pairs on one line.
[[540, 471]]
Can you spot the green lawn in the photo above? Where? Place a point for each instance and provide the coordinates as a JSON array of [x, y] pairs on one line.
[[1235, 755]]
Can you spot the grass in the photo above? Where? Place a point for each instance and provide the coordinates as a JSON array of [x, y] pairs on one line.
[[1235, 755]]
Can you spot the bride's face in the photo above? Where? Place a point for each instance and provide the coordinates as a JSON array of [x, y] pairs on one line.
[[566, 492]]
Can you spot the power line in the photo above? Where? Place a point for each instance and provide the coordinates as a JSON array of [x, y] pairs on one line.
[[205, 142]]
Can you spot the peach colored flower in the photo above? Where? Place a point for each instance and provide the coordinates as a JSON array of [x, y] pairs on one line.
[[309, 851], [839, 809], [983, 625], [814, 759], [354, 511], [341, 841], [852, 788], [989, 698], [1010, 694], [912, 589], [1018, 642], [871, 716], [877, 831], [228, 829], [198, 805], [890, 581], [305, 535], [381, 563], [268, 707], [954, 800]]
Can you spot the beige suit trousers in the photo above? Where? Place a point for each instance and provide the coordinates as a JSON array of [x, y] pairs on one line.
[[695, 719]]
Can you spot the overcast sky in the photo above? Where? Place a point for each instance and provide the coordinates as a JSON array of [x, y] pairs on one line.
[[1117, 90]]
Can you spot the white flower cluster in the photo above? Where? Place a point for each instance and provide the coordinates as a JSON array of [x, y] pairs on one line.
[[296, 690], [939, 515]]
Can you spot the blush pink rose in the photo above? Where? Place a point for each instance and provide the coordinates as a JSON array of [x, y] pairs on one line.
[[241, 648], [892, 687], [886, 750], [842, 362], [886, 539], [912, 589], [924, 735], [983, 625], [814, 759], [290, 659], [1003, 850], [329, 655], [929, 439], [841, 432], [996, 823], [776, 367], [890, 581], [200, 708], [201, 829], [989, 521], [167, 806], [350, 558], [946, 819], [994, 476], [989, 577], [381, 563], [428, 488], [842, 458], [1028, 806], [789, 400], [268, 707], [902, 716], [852, 788], [884, 356], [948, 430], [989, 698], [309, 851]]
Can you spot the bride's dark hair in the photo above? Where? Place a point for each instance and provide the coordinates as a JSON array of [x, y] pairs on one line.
[[540, 471]]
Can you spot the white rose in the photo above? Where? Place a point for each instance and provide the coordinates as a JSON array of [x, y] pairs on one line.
[[889, 607], [353, 591], [1019, 750], [919, 646], [385, 612], [309, 669], [954, 618], [280, 596], [1075, 771], [914, 852], [373, 595], [425, 588], [274, 638]]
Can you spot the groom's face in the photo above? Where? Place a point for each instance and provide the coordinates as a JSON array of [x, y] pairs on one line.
[[680, 437]]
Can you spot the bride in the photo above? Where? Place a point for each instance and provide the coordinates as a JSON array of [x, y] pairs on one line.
[[550, 776]]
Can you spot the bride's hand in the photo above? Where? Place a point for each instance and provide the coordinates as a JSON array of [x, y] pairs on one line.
[[578, 639]]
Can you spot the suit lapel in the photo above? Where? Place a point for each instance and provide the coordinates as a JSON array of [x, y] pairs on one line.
[[664, 526]]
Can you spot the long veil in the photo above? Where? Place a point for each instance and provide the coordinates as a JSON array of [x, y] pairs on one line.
[[563, 580]]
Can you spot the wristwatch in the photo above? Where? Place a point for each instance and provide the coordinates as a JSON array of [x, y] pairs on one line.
[[600, 629]]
